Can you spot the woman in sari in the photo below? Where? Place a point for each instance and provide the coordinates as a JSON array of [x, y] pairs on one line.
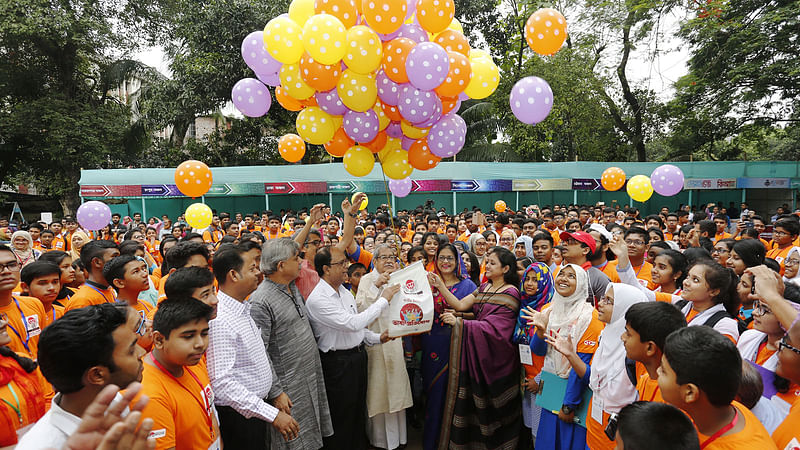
[[569, 315], [482, 407], [450, 284], [536, 292]]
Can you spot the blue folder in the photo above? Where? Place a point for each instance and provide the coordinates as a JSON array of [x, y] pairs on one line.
[[552, 397]]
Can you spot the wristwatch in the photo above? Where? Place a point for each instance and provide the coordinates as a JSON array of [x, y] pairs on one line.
[[352, 215], [566, 409]]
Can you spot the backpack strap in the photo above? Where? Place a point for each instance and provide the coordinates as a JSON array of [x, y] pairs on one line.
[[630, 368]]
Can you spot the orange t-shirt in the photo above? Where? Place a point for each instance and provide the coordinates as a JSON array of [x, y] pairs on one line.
[[56, 313], [91, 295], [720, 236], [648, 389], [58, 244], [27, 411], [268, 234], [213, 236], [595, 436], [25, 323], [181, 408], [779, 255], [752, 436], [643, 273], [787, 435]]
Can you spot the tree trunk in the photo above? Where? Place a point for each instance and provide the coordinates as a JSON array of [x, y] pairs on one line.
[[637, 134], [70, 203]]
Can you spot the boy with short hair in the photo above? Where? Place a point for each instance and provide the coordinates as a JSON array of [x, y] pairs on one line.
[[35, 230], [543, 249], [193, 282], [354, 274], [655, 426], [647, 326], [46, 238], [42, 280], [181, 398], [96, 290], [24, 314], [128, 275], [700, 373], [637, 241]]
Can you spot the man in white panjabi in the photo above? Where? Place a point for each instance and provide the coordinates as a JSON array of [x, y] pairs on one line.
[[388, 387]]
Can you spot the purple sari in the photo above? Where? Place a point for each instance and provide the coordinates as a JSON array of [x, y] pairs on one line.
[[483, 405]]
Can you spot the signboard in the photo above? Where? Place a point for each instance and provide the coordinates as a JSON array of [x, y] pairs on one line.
[[763, 183], [542, 184], [480, 185], [102, 190], [709, 183], [161, 190], [586, 184]]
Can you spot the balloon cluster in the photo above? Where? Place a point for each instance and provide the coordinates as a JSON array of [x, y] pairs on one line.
[[368, 77], [531, 98], [666, 180], [194, 179]]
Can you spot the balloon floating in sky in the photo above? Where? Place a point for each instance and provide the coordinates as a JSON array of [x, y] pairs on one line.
[[546, 31], [531, 100], [93, 215], [198, 215], [500, 206], [613, 179], [667, 180], [639, 188], [193, 178]]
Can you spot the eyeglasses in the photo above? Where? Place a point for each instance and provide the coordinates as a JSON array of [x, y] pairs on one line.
[[633, 242], [606, 301], [447, 258], [720, 250], [790, 262], [12, 266], [783, 344], [314, 242], [761, 308], [385, 258], [780, 233], [140, 327], [337, 263]]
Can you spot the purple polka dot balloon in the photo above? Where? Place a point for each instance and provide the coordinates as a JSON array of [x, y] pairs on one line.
[[400, 188], [437, 115], [427, 65], [361, 126], [270, 79], [251, 97], [256, 56], [388, 90], [330, 102], [447, 137], [417, 105], [531, 100], [94, 215], [406, 142], [667, 180], [413, 32], [394, 130]]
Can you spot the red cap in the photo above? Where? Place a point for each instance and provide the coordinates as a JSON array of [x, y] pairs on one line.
[[580, 236]]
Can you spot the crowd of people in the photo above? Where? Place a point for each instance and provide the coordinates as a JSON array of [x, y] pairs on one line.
[[564, 327]]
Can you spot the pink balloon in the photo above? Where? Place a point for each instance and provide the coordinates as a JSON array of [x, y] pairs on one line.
[[413, 32], [270, 79], [388, 90], [251, 97], [394, 130], [400, 188], [94, 215], [330, 102], [667, 180]]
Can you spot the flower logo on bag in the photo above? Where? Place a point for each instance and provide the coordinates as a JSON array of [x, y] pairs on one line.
[[410, 285], [411, 314]]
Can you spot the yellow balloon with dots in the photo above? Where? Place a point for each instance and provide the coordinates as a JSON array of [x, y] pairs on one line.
[[315, 126], [364, 202], [358, 161], [357, 91], [485, 77], [283, 39], [301, 10], [639, 188], [198, 215], [364, 50], [396, 165], [293, 82], [324, 38]]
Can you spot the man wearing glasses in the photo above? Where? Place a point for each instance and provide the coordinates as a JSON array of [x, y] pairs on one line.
[[784, 233], [23, 314]]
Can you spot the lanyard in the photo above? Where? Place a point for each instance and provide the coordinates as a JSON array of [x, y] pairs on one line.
[[17, 408], [101, 293], [640, 269], [203, 406], [24, 326], [654, 394], [722, 430]]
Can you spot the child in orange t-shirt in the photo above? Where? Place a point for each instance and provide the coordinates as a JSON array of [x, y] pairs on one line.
[[128, 275], [700, 374], [642, 423], [177, 383], [42, 280]]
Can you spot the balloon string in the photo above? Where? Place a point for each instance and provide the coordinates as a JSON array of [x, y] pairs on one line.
[[386, 188]]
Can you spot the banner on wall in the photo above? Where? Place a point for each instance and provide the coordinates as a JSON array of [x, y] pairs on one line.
[[709, 183], [763, 183]]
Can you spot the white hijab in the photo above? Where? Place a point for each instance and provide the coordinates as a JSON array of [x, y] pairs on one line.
[[568, 316], [528, 242], [609, 379], [796, 280]]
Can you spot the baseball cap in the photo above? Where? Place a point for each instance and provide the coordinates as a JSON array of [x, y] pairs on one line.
[[580, 236], [602, 230]]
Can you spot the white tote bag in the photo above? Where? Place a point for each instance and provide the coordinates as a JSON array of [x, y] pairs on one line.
[[411, 309]]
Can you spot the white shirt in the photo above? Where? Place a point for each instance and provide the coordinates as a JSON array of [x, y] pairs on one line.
[[238, 365], [54, 428], [336, 322]]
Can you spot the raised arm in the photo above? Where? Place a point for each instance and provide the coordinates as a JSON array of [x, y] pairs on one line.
[[314, 216], [769, 287], [463, 304], [347, 243]]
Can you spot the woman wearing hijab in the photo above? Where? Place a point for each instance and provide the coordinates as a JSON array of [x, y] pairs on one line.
[[450, 284], [507, 239], [791, 273], [572, 323], [22, 246], [79, 239], [478, 246], [536, 290], [523, 246]]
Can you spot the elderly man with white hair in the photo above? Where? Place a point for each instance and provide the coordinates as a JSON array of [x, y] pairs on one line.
[[388, 387], [279, 311]]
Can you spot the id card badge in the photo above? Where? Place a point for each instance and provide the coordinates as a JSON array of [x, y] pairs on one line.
[[597, 409], [525, 356], [32, 325]]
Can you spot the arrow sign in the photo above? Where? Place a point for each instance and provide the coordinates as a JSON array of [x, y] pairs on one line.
[[95, 191], [526, 185], [219, 189], [159, 190], [341, 187], [585, 184], [464, 185], [278, 188]]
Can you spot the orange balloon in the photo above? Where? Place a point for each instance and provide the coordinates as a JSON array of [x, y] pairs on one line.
[[310, 101], [613, 179], [435, 15], [344, 10], [448, 104], [500, 206], [391, 112], [378, 143], [546, 31], [453, 41], [420, 156], [457, 77], [337, 146], [291, 147], [319, 76], [384, 16], [395, 53], [288, 102], [193, 178]]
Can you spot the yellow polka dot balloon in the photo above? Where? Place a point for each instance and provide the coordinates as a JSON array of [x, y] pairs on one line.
[[357, 91], [395, 164], [324, 38], [485, 77], [315, 126], [613, 179], [198, 215], [294, 84], [291, 147], [358, 161], [283, 40], [364, 50], [640, 188], [301, 10], [412, 131], [546, 31], [383, 119], [344, 10]]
